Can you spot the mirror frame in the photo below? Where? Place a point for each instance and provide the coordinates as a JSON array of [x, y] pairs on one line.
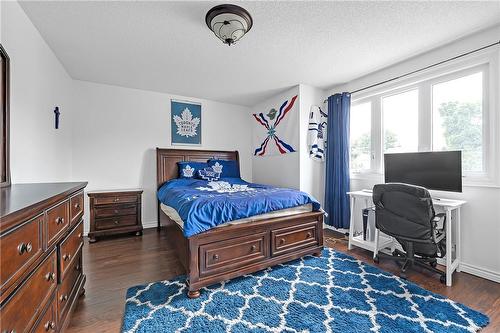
[[5, 120]]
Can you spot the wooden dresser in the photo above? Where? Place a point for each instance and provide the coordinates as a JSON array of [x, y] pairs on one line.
[[41, 239], [115, 212]]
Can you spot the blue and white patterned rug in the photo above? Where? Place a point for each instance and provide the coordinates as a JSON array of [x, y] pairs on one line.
[[333, 293]]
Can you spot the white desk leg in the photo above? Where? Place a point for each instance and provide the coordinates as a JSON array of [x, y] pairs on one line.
[[458, 240], [351, 223], [448, 247], [375, 250]]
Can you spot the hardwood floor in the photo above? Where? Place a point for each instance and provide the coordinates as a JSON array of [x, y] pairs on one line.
[[115, 264]]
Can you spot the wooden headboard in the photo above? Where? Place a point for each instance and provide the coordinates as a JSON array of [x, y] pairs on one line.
[[167, 158]]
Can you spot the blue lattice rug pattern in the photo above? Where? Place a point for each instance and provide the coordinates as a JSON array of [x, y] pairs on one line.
[[331, 293]]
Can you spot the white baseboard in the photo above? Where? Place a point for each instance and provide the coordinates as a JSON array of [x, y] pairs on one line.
[[343, 231], [481, 272]]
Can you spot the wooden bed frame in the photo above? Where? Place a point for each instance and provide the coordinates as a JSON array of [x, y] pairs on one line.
[[227, 252]]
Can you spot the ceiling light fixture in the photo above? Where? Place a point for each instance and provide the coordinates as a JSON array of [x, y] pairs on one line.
[[229, 22]]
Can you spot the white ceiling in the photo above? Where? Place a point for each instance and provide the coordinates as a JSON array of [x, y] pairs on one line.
[[166, 46]]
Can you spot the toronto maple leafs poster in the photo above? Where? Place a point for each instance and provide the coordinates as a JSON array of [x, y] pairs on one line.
[[185, 123]]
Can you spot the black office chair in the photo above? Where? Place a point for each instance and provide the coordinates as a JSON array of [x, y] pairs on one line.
[[406, 213]]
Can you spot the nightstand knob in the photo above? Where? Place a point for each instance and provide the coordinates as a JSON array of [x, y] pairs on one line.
[[216, 257], [66, 257], [77, 205], [282, 241], [309, 235], [63, 298], [253, 248], [59, 220]]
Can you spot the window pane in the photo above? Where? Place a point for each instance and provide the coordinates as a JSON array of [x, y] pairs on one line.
[[458, 119], [361, 144], [401, 122]]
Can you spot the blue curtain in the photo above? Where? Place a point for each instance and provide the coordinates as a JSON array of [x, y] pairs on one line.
[[337, 161]]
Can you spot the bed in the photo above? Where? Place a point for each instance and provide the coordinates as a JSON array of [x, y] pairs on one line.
[[239, 247]]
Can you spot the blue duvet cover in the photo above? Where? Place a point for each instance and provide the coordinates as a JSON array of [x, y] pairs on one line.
[[203, 205]]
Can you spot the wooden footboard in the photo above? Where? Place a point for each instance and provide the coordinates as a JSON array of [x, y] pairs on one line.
[[234, 250]]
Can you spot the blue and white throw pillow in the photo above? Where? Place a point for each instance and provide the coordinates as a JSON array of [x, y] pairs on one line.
[[210, 173], [230, 167], [190, 169]]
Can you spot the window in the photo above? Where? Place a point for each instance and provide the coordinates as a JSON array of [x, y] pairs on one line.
[[400, 122], [360, 139], [448, 108], [458, 119]]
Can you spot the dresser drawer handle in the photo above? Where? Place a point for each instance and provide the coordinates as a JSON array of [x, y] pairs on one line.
[[117, 199], [66, 257], [77, 267], [24, 248], [50, 325], [253, 248], [9, 331], [50, 276], [59, 220], [282, 241], [216, 257], [79, 235], [77, 205], [116, 222], [63, 298], [309, 235]]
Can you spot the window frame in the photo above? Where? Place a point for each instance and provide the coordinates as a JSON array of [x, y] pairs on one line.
[[487, 62]]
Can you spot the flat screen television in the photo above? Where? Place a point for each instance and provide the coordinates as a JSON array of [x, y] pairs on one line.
[[433, 170]]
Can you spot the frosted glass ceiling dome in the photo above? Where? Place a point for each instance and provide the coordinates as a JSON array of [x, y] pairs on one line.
[[229, 22]]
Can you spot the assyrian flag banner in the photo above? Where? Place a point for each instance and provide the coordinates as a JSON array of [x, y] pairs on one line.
[[276, 130]]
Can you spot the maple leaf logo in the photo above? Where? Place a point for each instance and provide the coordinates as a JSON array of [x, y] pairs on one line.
[[186, 124]]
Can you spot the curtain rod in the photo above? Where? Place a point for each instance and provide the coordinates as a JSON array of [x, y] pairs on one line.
[[423, 68]]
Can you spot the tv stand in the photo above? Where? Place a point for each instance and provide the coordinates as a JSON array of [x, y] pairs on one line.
[[450, 206]]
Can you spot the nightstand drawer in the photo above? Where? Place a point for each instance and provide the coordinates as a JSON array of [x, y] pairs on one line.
[[115, 210], [115, 199], [115, 222]]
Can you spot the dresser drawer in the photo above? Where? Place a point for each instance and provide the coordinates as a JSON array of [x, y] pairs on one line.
[[48, 322], [67, 287], [23, 308], [76, 208], [115, 199], [292, 238], [115, 222], [234, 253], [57, 221], [69, 248], [115, 210], [20, 247]]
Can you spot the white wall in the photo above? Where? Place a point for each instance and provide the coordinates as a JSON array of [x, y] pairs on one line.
[[116, 131], [311, 171], [278, 170], [481, 216], [39, 153]]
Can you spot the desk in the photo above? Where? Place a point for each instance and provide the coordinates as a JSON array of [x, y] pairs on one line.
[[449, 206]]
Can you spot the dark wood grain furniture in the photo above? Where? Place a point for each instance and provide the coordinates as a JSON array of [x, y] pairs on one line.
[[227, 252], [41, 240], [115, 212]]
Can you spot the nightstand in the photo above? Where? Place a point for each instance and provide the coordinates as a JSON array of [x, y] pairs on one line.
[[115, 212]]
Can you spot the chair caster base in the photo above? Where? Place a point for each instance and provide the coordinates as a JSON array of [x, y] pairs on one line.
[[376, 259]]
